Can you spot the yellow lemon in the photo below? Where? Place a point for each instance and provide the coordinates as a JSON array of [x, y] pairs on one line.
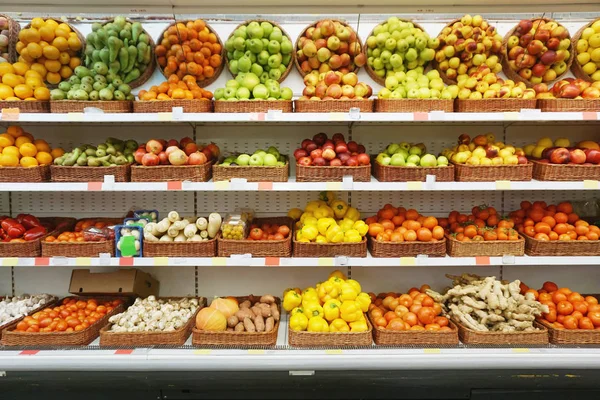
[[27, 149], [23, 139], [25, 57], [74, 43], [41, 93], [74, 62], [33, 74], [12, 98], [29, 162], [29, 35], [60, 43], [53, 78], [47, 33], [52, 65], [20, 68], [42, 145], [6, 140], [11, 151], [11, 80], [64, 26], [15, 131], [39, 68], [57, 152], [65, 71], [51, 52], [52, 23], [20, 46], [44, 43], [6, 91], [34, 82], [34, 50], [61, 33], [9, 160], [6, 68], [64, 58], [23, 91], [37, 22], [30, 99], [44, 158]]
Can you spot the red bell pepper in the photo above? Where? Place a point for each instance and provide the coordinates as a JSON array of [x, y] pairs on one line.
[[34, 233], [28, 221], [13, 228]]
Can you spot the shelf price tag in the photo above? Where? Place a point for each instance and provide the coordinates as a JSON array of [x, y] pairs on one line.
[[430, 181], [482, 261], [347, 182], [75, 116], [222, 185], [326, 262], [9, 114], [256, 351], [414, 185], [590, 184], [420, 116], [238, 183], [265, 185], [408, 261], [242, 259], [520, 350], [42, 261], [174, 185], [219, 261], [274, 115], [337, 116], [437, 116], [161, 261], [334, 352], [202, 352], [341, 261], [256, 116], [272, 261], [165, 116], [511, 116], [10, 262], [125, 261], [502, 185], [589, 116], [432, 351], [86, 261], [177, 113], [508, 259], [333, 186], [354, 113]]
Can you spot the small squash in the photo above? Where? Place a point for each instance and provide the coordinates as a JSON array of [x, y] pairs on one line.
[[226, 306], [210, 319]]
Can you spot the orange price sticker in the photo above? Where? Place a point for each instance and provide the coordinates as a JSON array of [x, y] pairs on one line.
[[482, 261], [10, 114], [123, 352], [272, 261], [42, 261], [590, 116], [94, 186], [174, 185], [126, 262], [420, 116], [265, 185]]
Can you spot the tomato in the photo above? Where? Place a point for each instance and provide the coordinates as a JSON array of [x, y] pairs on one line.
[[557, 297], [410, 318], [551, 316], [594, 316], [427, 302], [400, 311], [441, 321], [570, 322], [470, 231], [390, 315], [405, 300], [545, 297], [61, 326], [417, 328], [415, 307], [585, 323], [580, 306], [437, 308], [564, 308], [438, 233], [591, 300], [397, 325], [550, 286], [426, 315]]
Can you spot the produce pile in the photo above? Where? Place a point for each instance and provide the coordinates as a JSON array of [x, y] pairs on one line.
[[175, 89], [51, 48], [328, 221], [175, 228], [95, 84], [487, 304], [415, 311], [334, 86], [587, 50], [4, 39], [120, 45], [237, 224], [268, 232], [20, 148], [569, 88], [562, 151], [13, 308], [414, 84], [86, 230], [228, 314], [335, 152], [111, 153], [23, 228], [484, 150], [19, 81], [566, 309], [71, 316], [173, 152], [248, 86], [399, 224], [154, 315], [485, 84], [406, 154], [260, 48], [336, 305], [189, 49], [270, 158], [483, 224]]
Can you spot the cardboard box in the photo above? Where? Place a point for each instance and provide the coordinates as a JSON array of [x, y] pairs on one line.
[[127, 282]]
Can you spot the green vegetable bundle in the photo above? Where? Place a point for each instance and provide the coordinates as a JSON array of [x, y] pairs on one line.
[[109, 154]]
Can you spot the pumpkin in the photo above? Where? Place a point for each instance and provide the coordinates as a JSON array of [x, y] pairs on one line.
[[227, 306], [209, 319]]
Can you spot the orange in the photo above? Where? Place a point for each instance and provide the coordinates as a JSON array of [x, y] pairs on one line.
[[37, 23], [23, 91], [178, 94], [52, 65], [10, 79], [20, 68], [15, 131], [60, 43], [28, 162], [52, 23], [74, 62], [42, 145], [34, 50], [34, 82], [57, 152], [6, 140], [51, 52], [64, 58], [62, 33], [47, 33], [39, 68], [53, 77], [29, 35], [74, 43], [9, 160], [6, 91], [27, 149], [44, 158], [22, 140], [32, 74], [41, 93], [65, 71]]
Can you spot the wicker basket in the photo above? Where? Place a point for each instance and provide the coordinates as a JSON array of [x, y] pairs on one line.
[[406, 249], [293, 53], [361, 173], [206, 248], [12, 324], [166, 173], [144, 76], [253, 106], [571, 336], [259, 248], [331, 339], [326, 106], [495, 248], [109, 107], [27, 107], [137, 339], [534, 247], [469, 336], [486, 173], [494, 105], [204, 82], [576, 67], [188, 106], [570, 105], [313, 249], [564, 172], [413, 105], [238, 339], [41, 173], [60, 173], [388, 337], [251, 174], [13, 37], [77, 249], [510, 74], [388, 173], [296, 48], [81, 338]]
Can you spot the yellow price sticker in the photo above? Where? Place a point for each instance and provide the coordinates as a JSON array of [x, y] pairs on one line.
[[432, 351], [333, 186], [502, 185], [511, 116], [202, 352], [165, 116], [219, 261], [520, 350], [337, 116], [414, 185], [75, 116], [334, 352], [408, 261], [10, 262], [83, 261], [256, 351], [161, 261], [590, 184], [222, 185], [326, 262]]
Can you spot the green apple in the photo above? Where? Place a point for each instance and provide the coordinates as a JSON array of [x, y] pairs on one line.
[[397, 160], [274, 60], [276, 35], [414, 150], [263, 57], [242, 93], [392, 148], [256, 69], [240, 77], [267, 28], [239, 43], [400, 91], [384, 93], [424, 93], [256, 160], [244, 64], [396, 60], [269, 160], [413, 158], [250, 81], [243, 159], [260, 153], [232, 83], [396, 94], [441, 160], [287, 47], [230, 93], [274, 88], [254, 30], [219, 93], [412, 93], [274, 47], [286, 93], [391, 82], [275, 73], [260, 91], [241, 32], [428, 160], [405, 145]]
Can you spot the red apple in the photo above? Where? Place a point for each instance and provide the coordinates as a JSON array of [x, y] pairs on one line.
[[328, 145], [569, 91], [592, 156], [344, 157], [305, 143], [338, 136], [197, 158], [352, 146], [309, 91], [560, 156], [190, 148], [328, 154], [207, 153], [185, 141], [522, 159], [164, 159], [170, 150], [139, 153], [336, 162], [320, 138], [341, 147], [154, 146], [163, 142], [363, 159], [316, 153], [305, 161], [299, 153], [361, 149], [311, 146], [215, 151], [544, 161], [172, 142], [352, 161], [150, 159], [320, 162], [578, 156]]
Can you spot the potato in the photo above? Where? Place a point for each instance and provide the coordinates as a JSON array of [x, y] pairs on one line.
[[269, 324], [265, 310], [229, 329], [240, 327], [275, 312], [246, 304], [268, 299], [244, 313], [249, 325], [259, 323], [232, 321], [256, 309]]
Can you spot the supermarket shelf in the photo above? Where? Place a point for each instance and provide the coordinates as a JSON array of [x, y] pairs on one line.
[[245, 260], [304, 118], [240, 185]]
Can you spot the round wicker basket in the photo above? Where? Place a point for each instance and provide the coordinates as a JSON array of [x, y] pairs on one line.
[[576, 68], [13, 37]]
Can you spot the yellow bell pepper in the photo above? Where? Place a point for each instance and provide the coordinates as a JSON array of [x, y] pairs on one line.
[[310, 221], [310, 295], [340, 207], [295, 214], [321, 239], [359, 326], [291, 300], [311, 206], [337, 274], [324, 223], [328, 197], [352, 214], [306, 215], [339, 325], [310, 232], [303, 240], [297, 310], [355, 285], [352, 236], [317, 324], [327, 290], [337, 282], [361, 227], [348, 292], [298, 322], [323, 212], [295, 289], [331, 309], [350, 311], [346, 224], [335, 234], [363, 300], [313, 309]]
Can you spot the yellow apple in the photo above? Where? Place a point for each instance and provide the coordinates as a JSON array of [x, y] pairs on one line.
[[562, 142], [545, 142]]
